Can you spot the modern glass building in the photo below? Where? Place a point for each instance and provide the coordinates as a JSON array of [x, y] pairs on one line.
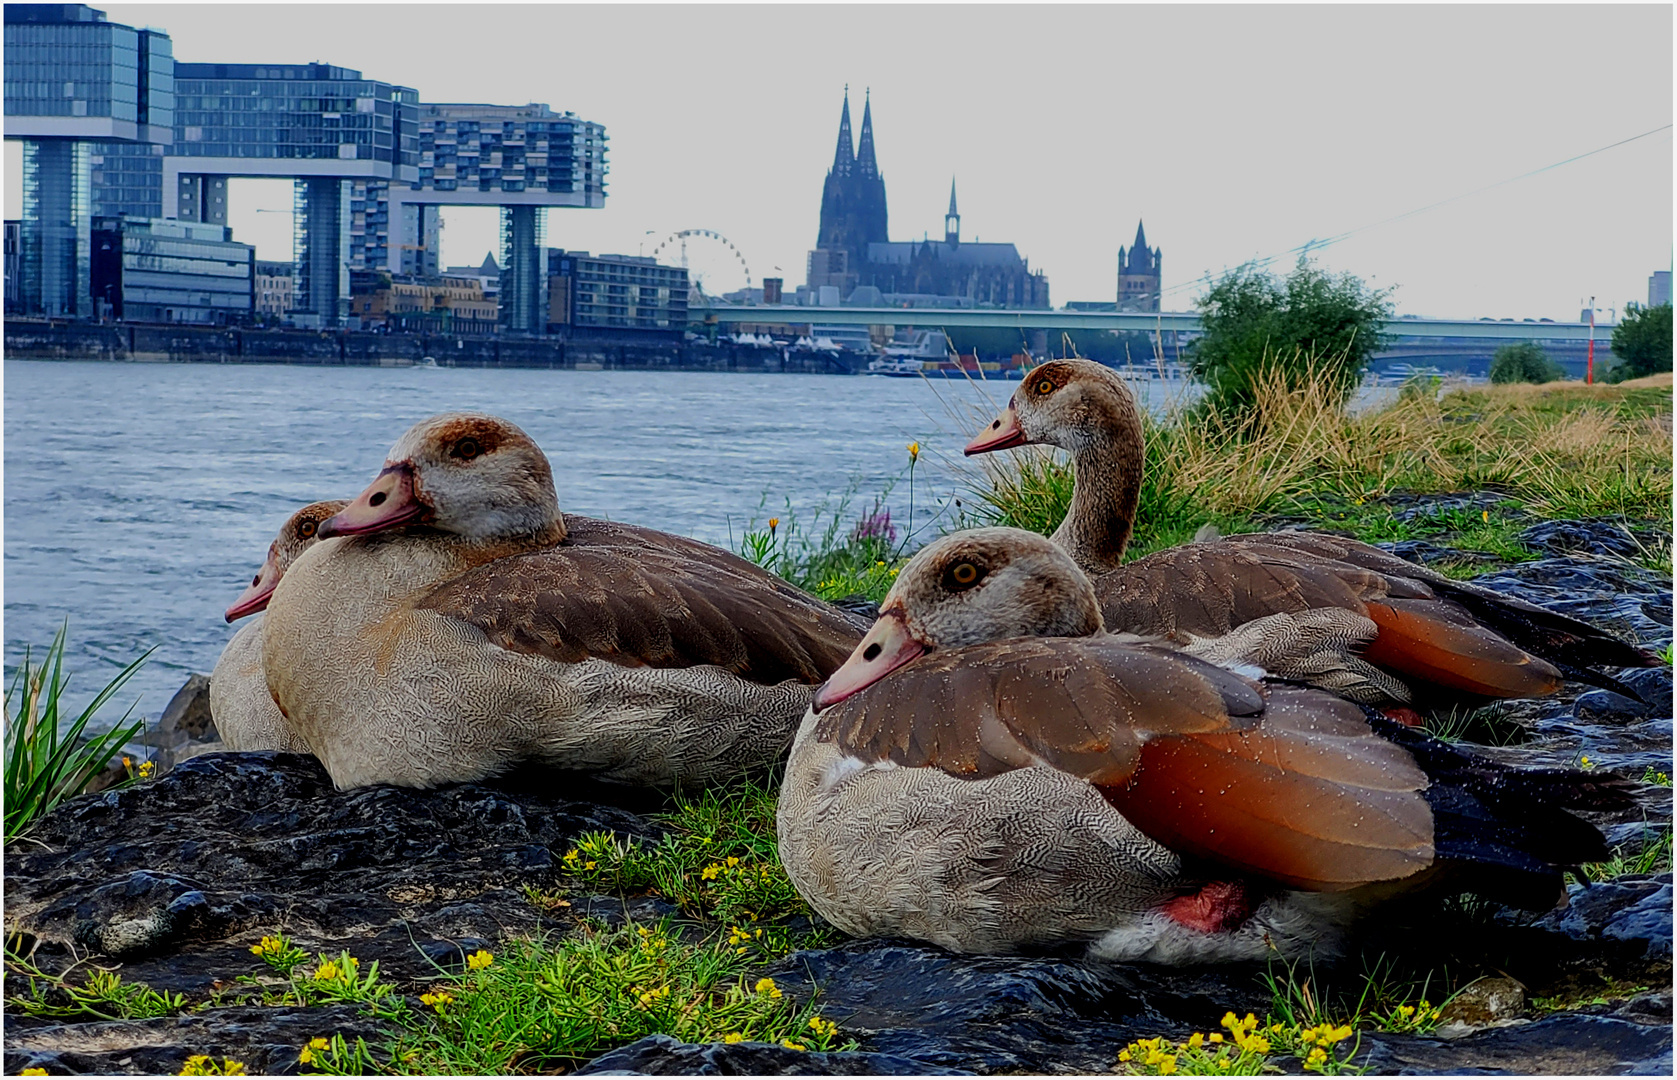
[[325, 127], [628, 291], [171, 271], [113, 127], [74, 81]]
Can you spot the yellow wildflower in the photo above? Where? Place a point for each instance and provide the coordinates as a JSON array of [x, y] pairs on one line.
[[790, 1045], [766, 986], [572, 855], [1124, 1054], [709, 873], [1195, 1040], [480, 960], [774, 523], [438, 999], [1216, 1036], [318, 1043], [1584, 762], [305, 1056], [146, 769], [733, 860], [1485, 516], [326, 972], [33, 1072], [914, 451], [733, 1037]]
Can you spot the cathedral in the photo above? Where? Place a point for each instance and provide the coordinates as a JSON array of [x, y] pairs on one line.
[[854, 257], [1139, 274]]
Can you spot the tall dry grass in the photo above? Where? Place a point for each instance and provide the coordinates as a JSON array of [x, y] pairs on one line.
[[1563, 450]]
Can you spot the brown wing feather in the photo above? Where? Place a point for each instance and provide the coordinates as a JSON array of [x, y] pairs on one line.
[[1209, 589], [639, 597], [1297, 789]]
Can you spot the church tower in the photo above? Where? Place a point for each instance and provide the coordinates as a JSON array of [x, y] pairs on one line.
[[952, 220], [852, 207], [1139, 274]]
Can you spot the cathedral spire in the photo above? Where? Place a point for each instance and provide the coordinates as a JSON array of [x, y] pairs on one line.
[[865, 163], [845, 156], [952, 220], [1140, 236]]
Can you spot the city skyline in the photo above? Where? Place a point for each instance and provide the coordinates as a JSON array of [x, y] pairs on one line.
[[1340, 118]]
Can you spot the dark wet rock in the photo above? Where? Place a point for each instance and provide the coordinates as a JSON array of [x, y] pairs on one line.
[[1007, 1014], [1425, 507], [1427, 553], [188, 712], [1653, 685], [1617, 596], [1633, 912], [1562, 1045], [1485, 1002], [265, 1039], [179, 876], [660, 1055], [1598, 536], [1607, 707]]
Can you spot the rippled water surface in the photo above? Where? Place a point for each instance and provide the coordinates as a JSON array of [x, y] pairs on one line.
[[140, 498]]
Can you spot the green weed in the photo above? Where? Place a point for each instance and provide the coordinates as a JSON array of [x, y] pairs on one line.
[[47, 762], [547, 1006], [103, 995], [1651, 856]]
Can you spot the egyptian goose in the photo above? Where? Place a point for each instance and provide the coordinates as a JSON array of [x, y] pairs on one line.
[[451, 622], [989, 772], [1439, 640], [245, 715]]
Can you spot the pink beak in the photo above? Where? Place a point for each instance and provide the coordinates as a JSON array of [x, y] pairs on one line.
[[389, 501], [1004, 432], [255, 598], [887, 647]]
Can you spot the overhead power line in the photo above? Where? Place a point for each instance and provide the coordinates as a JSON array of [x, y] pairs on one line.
[[1315, 245]]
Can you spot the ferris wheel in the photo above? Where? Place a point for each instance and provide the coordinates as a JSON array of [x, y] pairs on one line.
[[713, 264]]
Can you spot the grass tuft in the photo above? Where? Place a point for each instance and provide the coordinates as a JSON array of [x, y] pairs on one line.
[[1561, 450], [47, 760]]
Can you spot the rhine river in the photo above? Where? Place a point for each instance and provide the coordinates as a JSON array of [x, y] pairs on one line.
[[140, 498]]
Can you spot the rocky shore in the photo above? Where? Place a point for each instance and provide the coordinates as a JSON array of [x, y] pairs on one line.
[[171, 882]]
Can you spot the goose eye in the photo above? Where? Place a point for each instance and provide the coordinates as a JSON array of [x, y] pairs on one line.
[[307, 529], [1045, 386], [466, 449], [255, 581], [963, 575]]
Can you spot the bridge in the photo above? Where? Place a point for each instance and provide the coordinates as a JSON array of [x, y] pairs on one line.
[[1137, 322]]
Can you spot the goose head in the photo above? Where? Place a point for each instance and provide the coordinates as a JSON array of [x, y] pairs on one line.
[[966, 589], [296, 536], [1072, 404], [470, 475]]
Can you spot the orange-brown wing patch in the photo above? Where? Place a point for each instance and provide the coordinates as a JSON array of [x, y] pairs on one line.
[[1232, 798], [1435, 642], [1297, 789], [638, 597]]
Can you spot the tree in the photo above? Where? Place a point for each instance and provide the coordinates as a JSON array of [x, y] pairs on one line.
[[1642, 342], [1309, 325], [1524, 361]]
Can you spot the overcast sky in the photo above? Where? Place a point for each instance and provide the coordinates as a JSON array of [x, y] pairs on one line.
[[1235, 132]]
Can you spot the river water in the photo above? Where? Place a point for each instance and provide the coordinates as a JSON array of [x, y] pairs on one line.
[[140, 498]]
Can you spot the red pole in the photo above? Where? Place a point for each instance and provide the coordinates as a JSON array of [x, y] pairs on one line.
[[1589, 362]]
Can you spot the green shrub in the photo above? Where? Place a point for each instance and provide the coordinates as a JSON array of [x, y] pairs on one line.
[[1642, 342], [1312, 327], [1524, 361], [44, 766]]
